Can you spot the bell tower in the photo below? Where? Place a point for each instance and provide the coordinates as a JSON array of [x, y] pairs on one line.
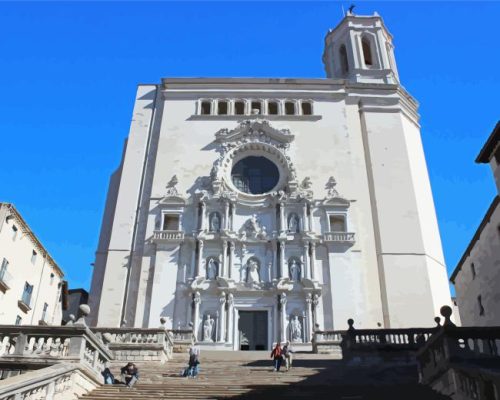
[[360, 50]]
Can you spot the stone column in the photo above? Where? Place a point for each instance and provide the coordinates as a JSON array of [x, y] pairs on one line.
[[196, 314], [305, 219], [203, 225], [200, 258], [231, 259], [310, 219], [231, 225], [230, 318], [306, 261], [313, 261], [282, 217], [309, 328], [274, 274], [222, 318], [283, 269], [223, 268], [226, 216], [283, 317]]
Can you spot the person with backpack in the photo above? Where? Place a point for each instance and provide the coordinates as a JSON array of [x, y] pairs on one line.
[[277, 357]]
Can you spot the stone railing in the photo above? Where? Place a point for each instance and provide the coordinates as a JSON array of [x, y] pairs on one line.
[[5, 279], [462, 361], [65, 381], [168, 236], [327, 342], [339, 237], [137, 344], [31, 347], [182, 339]]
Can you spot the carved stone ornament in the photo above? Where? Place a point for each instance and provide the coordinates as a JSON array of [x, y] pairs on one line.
[[171, 187], [332, 195], [253, 229], [172, 195]]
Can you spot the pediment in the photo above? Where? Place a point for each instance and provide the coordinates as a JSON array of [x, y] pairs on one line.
[[336, 201], [176, 200], [259, 129]]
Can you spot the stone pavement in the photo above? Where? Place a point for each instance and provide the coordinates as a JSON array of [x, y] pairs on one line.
[[249, 375]]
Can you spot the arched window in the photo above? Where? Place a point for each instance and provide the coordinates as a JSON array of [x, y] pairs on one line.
[[344, 64], [367, 52], [222, 107], [206, 107], [289, 108], [239, 107], [306, 108], [272, 108]]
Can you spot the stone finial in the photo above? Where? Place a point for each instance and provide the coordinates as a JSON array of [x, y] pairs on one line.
[[84, 312], [437, 320], [71, 320], [163, 321], [446, 312]]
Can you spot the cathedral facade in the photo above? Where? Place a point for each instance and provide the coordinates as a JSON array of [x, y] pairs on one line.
[[258, 210]]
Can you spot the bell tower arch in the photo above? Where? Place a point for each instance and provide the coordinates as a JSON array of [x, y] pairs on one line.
[[360, 50]]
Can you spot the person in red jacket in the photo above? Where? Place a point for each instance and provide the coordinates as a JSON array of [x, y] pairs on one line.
[[276, 356]]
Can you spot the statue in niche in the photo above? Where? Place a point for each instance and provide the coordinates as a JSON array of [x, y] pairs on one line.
[[293, 223], [252, 274], [214, 222], [212, 269], [294, 270], [296, 329], [208, 327]]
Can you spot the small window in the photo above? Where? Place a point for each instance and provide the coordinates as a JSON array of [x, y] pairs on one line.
[[222, 108], [14, 232], [27, 292], [272, 108], [337, 223], [344, 64], [206, 107], [33, 257], [3, 269], [171, 222], [52, 276], [367, 52], [306, 108], [44, 312], [480, 304], [239, 107], [18, 320], [289, 108], [473, 270], [256, 107]]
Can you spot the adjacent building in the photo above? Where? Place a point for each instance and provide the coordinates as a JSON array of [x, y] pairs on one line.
[[477, 274], [256, 210], [30, 280]]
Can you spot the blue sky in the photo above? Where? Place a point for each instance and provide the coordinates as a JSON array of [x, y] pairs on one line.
[[68, 75]]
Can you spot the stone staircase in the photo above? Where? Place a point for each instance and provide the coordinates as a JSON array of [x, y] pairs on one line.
[[249, 375]]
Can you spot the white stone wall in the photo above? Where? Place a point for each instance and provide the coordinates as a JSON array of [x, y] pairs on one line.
[[42, 273]]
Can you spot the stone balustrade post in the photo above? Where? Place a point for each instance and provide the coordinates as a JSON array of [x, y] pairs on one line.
[[21, 342], [77, 347]]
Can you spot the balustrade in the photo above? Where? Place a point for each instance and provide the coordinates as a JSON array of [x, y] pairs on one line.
[[341, 237], [168, 236]]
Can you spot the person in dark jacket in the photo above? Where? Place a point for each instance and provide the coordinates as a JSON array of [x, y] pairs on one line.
[[277, 357], [129, 374]]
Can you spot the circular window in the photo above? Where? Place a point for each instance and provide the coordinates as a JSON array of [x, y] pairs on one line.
[[255, 175]]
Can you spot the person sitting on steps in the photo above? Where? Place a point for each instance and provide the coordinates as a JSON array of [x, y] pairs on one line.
[[277, 357], [193, 369], [129, 374]]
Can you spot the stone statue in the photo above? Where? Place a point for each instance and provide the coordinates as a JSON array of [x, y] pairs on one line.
[[295, 270], [253, 271], [296, 329], [293, 223], [212, 269], [215, 222], [208, 327]]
